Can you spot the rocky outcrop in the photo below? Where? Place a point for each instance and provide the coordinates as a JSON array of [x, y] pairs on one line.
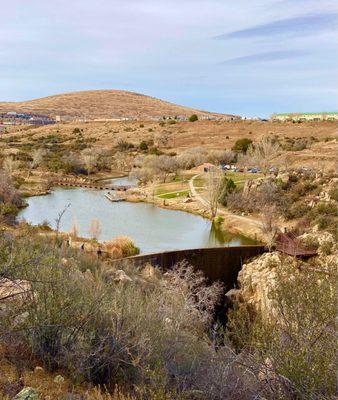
[[256, 281], [324, 241], [258, 278]]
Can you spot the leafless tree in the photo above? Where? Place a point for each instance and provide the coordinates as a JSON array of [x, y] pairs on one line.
[[221, 156], [269, 224], [95, 229], [163, 166], [263, 154], [214, 186], [58, 221], [74, 228]]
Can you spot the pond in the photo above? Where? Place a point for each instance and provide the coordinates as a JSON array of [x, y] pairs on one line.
[[123, 181], [152, 228]]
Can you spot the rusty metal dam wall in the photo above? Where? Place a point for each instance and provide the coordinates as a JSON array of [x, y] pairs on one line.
[[217, 263]]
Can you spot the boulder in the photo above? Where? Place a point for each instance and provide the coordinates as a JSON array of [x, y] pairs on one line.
[[121, 277], [59, 379], [256, 280], [283, 177], [27, 393], [148, 272]]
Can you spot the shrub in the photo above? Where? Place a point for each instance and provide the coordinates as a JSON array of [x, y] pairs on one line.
[[123, 145], [292, 346], [155, 151], [143, 146], [105, 332], [297, 210], [193, 118], [242, 145], [121, 245], [10, 199], [228, 186]]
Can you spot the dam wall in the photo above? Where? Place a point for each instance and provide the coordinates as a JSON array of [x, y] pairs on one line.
[[217, 263]]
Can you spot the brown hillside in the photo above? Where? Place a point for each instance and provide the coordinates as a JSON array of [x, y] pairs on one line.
[[102, 104], [184, 135]]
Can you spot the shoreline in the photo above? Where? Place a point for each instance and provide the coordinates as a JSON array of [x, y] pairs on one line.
[[246, 226], [232, 223]]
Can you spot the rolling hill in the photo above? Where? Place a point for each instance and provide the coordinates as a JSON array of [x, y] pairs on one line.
[[103, 104]]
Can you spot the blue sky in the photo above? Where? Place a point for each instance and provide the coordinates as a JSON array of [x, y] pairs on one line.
[[249, 57]]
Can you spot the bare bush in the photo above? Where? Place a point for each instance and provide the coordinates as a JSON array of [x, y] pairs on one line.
[[94, 229], [89, 158], [10, 165], [37, 157]]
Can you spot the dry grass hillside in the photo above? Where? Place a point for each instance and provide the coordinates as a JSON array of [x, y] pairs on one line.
[[102, 104], [308, 144]]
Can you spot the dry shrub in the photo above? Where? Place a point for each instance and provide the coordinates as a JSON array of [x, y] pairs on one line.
[[121, 246], [150, 339], [293, 348]]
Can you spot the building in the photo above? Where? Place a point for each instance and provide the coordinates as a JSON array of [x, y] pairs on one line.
[[302, 117]]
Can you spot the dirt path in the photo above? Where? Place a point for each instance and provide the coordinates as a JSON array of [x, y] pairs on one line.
[[195, 194], [247, 225]]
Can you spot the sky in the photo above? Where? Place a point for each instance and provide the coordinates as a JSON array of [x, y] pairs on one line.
[[247, 57]]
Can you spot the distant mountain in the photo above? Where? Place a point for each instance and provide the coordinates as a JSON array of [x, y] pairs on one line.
[[103, 104]]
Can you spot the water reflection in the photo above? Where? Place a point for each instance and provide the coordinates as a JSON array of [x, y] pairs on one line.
[[219, 237], [152, 228]]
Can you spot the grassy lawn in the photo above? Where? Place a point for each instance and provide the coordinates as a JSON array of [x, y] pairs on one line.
[[182, 178], [174, 195], [179, 187]]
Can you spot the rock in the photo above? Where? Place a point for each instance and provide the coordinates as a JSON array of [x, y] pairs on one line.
[[148, 272], [256, 280], [64, 261], [38, 369], [59, 379], [283, 177], [325, 241], [187, 200], [232, 295], [121, 276], [27, 393]]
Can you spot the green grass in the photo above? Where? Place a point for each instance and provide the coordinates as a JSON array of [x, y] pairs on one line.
[[182, 178], [199, 182], [174, 195]]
